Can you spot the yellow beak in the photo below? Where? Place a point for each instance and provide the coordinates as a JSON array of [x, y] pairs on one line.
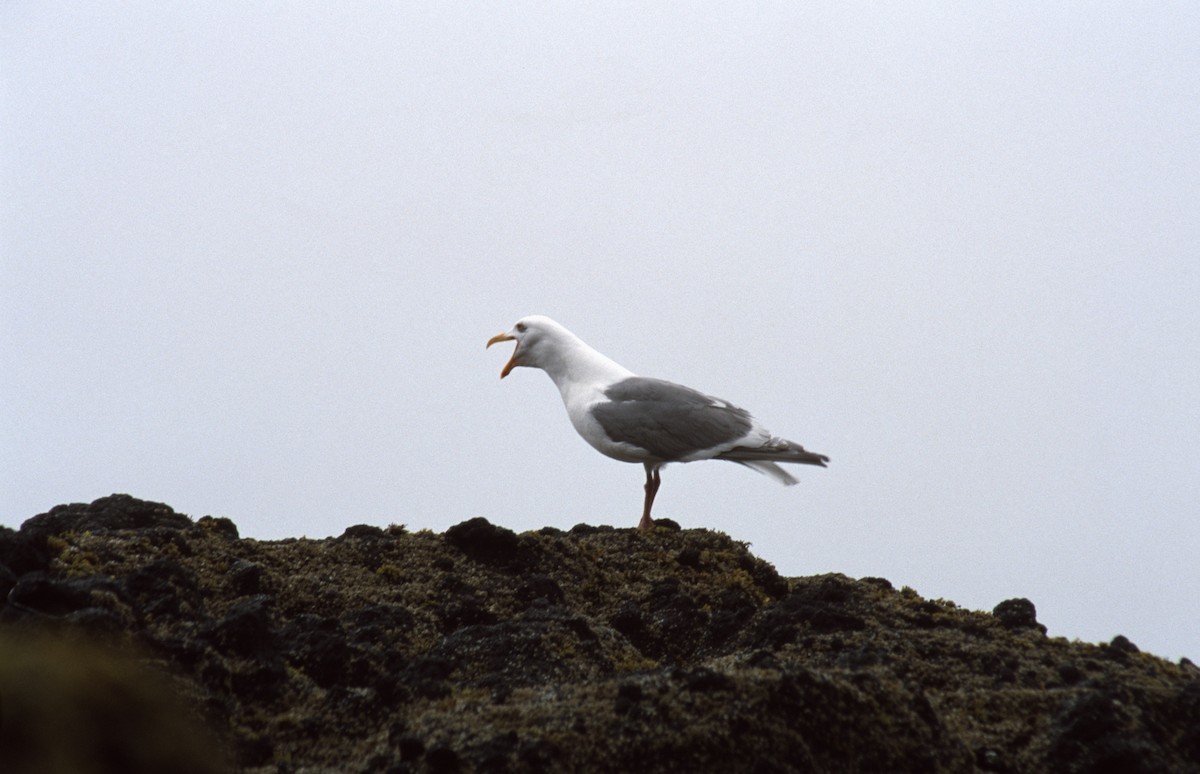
[[512, 361]]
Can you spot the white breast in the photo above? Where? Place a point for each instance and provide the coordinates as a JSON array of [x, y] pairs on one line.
[[579, 400]]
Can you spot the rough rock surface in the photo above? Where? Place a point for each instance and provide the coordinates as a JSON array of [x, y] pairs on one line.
[[594, 649]]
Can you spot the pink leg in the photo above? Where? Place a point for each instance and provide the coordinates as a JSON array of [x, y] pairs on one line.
[[653, 479]]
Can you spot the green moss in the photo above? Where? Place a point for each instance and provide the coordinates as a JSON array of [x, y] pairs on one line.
[[76, 563], [390, 572], [634, 662]]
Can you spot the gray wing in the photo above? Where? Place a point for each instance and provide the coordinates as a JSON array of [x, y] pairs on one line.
[[668, 420]]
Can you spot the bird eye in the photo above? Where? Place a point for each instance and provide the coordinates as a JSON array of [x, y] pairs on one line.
[[520, 327]]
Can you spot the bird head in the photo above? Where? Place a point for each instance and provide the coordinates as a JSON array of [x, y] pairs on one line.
[[537, 337]]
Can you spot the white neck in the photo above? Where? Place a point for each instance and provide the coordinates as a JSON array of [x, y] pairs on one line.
[[575, 365]]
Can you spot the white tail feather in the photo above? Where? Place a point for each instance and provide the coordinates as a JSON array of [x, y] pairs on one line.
[[770, 469]]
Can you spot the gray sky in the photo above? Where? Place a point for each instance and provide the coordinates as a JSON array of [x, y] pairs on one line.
[[251, 254]]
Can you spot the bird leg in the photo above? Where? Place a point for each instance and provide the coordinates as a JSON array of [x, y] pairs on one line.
[[653, 479]]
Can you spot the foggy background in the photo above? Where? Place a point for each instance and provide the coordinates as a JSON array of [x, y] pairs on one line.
[[250, 255]]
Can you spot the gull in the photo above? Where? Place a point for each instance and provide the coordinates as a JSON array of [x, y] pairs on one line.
[[640, 419]]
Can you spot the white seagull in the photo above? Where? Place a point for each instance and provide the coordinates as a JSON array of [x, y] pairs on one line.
[[638, 419]]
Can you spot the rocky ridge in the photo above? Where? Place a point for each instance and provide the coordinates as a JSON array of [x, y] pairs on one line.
[[592, 649]]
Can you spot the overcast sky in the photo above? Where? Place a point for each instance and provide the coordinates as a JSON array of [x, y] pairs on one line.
[[251, 253]]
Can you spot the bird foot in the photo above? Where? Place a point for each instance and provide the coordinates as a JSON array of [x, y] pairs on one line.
[[646, 523]]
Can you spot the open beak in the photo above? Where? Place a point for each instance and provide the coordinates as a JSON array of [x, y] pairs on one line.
[[512, 361]]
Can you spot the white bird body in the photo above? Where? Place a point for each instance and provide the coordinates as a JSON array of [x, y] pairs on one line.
[[638, 419]]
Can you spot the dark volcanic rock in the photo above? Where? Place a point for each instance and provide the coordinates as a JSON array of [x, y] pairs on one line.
[[24, 551], [1018, 613], [115, 512], [164, 588], [246, 577], [319, 648], [816, 605], [484, 542], [246, 630], [218, 526], [595, 649], [8, 579], [36, 592], [540, 587]]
